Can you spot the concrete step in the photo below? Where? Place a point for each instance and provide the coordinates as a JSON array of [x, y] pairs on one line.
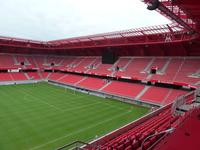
[[105, 85], [147, 68], [80, 80], [166, 66], [142, 92], [124, 68]]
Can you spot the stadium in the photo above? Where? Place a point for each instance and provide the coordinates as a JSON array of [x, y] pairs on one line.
[[136, 89]]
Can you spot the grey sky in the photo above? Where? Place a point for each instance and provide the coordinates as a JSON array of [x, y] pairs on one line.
[[57, 19]]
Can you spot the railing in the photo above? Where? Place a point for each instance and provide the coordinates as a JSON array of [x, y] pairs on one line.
[[189, 98], [75, 146], [186, 99], [181, 121]]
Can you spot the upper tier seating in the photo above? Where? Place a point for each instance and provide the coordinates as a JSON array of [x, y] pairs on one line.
[[7, 61], [84, 65], [39, 61], [160, 63], [102, 69], [54, 59], [122, 63], [171, 71], [32, 62], [174, 69], [189, 67], [135, 68]]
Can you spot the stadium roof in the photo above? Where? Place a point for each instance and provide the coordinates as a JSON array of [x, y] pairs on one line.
[[51, 19]]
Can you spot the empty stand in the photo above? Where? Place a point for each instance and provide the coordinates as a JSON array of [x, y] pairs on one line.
[[187, 72], [135, 68], [56, 76], [92, 83], [172, 95], [133, 138], [159, 63], [155, 94], [34, 75], [71, 79], [84, 65], [18, 76], [123, 88], [7, 61], [5, 77], [45, 75], [177, 69], [39, 61], [171, 71], [187, 134]]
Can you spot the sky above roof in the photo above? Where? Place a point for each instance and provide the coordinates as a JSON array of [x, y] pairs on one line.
[[57, 19]]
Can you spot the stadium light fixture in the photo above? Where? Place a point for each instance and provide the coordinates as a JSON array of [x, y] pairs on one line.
[[153, 5]]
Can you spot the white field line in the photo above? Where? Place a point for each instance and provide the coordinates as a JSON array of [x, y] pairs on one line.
[[42, 145], [84, 106], [78, 97], [57, 108], [88, 109], [78, 131], [26, 93], [63, 101]]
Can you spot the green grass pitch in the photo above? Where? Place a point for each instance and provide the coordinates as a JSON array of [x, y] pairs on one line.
[[44, 117]]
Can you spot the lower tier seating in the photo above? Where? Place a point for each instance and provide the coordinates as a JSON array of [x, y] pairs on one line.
[[155, 94], [12, 76], [45, 75], [123, 88], [18, 76], [92, 83], [161, 95], [71, 79], [187, 134], [34, 75], [135, 91], [55, 76], [133, 138], [5, 77]]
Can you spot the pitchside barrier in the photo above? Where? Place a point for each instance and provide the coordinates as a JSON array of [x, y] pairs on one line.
[[126, 128], [182, 100], [185, 117], [19, 82], [185, 100], [121, 98]]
